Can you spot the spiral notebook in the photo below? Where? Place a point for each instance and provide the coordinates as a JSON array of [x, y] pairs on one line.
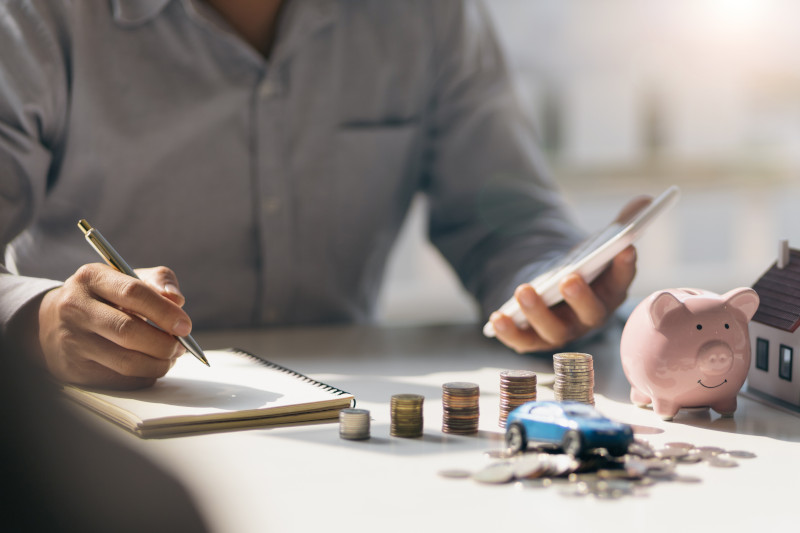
[[239, 391]]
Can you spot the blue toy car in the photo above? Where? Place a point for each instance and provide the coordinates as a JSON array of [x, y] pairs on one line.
[[577, 427]]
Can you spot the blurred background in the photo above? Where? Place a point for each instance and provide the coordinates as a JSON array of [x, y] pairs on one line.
[[629, 97]]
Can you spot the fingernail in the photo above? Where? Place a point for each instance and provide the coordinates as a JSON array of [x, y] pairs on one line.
[[172, 289], [526, 298], [499, 325], [181, 328], [570, 289]]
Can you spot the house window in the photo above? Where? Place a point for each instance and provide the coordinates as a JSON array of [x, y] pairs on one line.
[[785, 362], [762, 354]]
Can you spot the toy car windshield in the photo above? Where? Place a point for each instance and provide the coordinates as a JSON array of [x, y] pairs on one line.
[[582, 412]]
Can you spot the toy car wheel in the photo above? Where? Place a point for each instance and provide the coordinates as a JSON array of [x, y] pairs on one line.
[[515, 438], [572, 443]]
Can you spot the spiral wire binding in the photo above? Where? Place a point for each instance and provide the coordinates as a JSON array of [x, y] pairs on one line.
[[294, 373]]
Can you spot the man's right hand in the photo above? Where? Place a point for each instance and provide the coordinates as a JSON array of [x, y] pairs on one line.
[[92, 330]]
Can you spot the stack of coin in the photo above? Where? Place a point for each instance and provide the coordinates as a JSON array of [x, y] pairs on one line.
[[574, 377], [406, 410], [516, 388], [354, 424], [461, 409]]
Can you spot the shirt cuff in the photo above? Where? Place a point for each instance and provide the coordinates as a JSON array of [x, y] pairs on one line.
[[17, 291]]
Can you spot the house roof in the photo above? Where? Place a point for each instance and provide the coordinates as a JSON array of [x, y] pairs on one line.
[[779, 292]]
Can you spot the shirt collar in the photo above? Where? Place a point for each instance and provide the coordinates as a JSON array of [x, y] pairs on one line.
[[135, 12], [301, 21]]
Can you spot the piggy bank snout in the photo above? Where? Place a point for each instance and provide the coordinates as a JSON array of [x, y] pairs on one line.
[[715, 358]]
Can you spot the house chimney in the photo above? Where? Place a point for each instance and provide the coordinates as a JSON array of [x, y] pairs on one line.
[[783, 253]]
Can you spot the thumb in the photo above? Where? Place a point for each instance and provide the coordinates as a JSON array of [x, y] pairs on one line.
[[163, 280]]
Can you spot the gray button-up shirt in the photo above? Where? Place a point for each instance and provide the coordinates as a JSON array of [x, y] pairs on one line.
[[273, 187]]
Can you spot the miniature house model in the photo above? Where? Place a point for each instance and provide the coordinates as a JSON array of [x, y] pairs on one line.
[[774, 334]]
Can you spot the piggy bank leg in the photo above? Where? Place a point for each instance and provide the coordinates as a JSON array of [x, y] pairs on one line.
[[665, 409], [638, 398], [725, 407]]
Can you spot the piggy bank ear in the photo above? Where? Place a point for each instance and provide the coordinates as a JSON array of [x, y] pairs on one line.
[[663, 304], [744, 299]]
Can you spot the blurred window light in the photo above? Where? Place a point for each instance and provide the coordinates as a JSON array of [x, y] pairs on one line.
[[630, 96], [737, 15]]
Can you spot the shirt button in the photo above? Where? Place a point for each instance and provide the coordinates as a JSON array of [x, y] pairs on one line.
[[267, 88], [271, 205]]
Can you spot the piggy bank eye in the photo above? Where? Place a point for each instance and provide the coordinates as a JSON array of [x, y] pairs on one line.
[[727, 326], [699, 327]]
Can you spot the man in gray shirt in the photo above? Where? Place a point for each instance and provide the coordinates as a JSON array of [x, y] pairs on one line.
[[267, 151]]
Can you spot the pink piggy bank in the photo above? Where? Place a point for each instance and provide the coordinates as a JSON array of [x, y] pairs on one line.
[[688, 348]]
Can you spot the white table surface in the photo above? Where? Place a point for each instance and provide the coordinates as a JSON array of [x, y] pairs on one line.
[[305, 478]]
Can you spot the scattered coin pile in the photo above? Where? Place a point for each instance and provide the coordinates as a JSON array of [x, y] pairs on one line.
[[574, 377], [460, 407], [354, 424], [599, 474], [527, 466], [406, 412], [686, 453], [516, 388]]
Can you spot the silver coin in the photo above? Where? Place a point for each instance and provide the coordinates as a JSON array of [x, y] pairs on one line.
[[671, 453], [495, 473], [682, 445], [712, 450], [641, 450], [455, 473], [740, 454], [636, 467], [621, 473], [692, 457], [354, 424], [529, 466], [661, 471], [353, 411], [614, 484], [645, 482], [549, 464], [609, 493], [359, 436], [576, 489], [721, 462], [687, 479], [562, 464], [538, 483], [498, 454], [706, 455]]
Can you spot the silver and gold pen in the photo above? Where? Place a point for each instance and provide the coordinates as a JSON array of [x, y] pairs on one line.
[[107, 252]]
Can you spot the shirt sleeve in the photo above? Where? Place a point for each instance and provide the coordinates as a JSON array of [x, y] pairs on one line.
[[495, 213], [33, 102]]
